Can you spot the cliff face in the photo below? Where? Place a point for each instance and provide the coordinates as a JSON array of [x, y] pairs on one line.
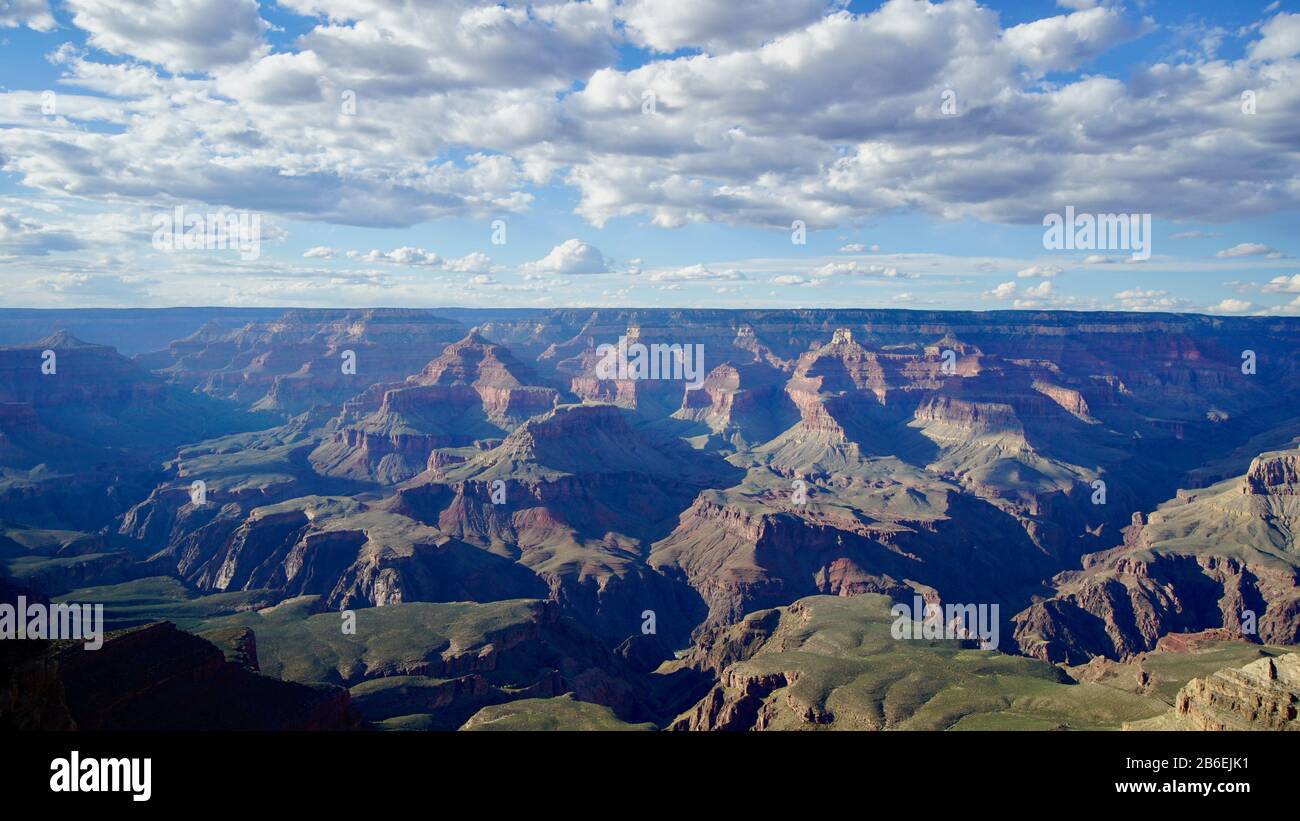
[[81, 428], [1262, 695], [295, 361], [1273, 475], [474, 390], [743, 404], [1222, 557], [65, 401], [755, 547]]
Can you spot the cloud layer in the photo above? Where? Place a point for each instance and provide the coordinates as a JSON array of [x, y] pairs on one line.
[[391, 113]]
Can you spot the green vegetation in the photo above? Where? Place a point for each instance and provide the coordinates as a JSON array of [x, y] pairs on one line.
[[295, 644], [560, 713], [163, 598], [832, 663]]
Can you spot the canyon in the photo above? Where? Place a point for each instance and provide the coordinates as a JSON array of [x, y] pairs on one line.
[[1110, 481]]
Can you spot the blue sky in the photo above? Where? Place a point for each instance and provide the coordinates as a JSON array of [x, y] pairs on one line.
[[535, 114]]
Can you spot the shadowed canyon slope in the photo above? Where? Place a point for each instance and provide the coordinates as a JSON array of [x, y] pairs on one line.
[[1104, 480]]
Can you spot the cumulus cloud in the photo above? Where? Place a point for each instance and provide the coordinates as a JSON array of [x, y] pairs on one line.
[[798, 109], [573, 256], [1041, 295], [1233, 306], [1004, 291], [472, 263], [788, 110], [35, 14], [319, 252], [1283, 285], [1279, 38], [1034, 296], [399, 256], [1068, 40], [669, 25], [180, 35]]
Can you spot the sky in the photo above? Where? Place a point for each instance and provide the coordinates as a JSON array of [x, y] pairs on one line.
[[651, 153]]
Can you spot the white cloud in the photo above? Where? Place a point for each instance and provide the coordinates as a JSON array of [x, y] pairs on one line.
[[858, 269], [573, 256], [805, 111], [800, 110], [1040, 271], [791, 279], [1066, 41], [25, 237], [399, 256], [475, 262], [1150, 299], [1283, 285], [1004, 291], [35, 14], [98, 288], [1250, 249], [669, 25], [1034, 296], [180, 35], [1280, 38], [319, 252], [696, 273], [1232, 306]]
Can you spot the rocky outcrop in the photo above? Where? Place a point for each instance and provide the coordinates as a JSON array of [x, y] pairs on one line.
[[1222, 557], [1262, 695], [757, 547], [741, 403], [1275, 474], [473, 390]]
